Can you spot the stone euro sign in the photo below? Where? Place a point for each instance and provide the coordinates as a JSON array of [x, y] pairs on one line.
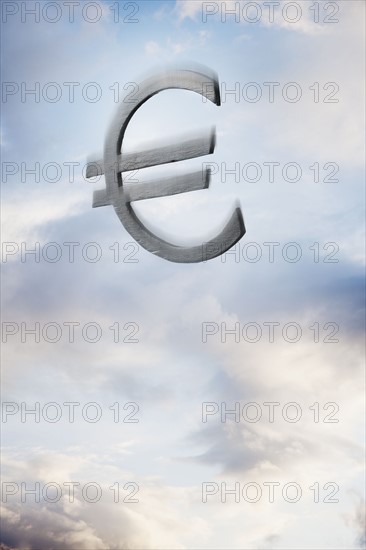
[[114, 164]]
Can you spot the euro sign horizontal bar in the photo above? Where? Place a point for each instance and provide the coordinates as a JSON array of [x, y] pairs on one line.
[[180, 150], [163, 187]]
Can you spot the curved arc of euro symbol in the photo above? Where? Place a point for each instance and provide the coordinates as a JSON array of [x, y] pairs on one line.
[[114, 164]]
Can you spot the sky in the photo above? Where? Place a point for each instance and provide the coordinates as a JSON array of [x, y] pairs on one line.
[[224, 399]]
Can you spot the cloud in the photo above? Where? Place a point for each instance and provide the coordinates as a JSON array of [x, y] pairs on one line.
[[170, 371], [37, 209], [171, 49], [149, 523], [188, 9], [152, 48], [293, 18], [356, 520]]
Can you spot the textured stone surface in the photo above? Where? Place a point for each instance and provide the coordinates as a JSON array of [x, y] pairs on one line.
[[114, 164]]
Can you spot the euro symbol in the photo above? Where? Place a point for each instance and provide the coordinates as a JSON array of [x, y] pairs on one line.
[[114, 163]]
